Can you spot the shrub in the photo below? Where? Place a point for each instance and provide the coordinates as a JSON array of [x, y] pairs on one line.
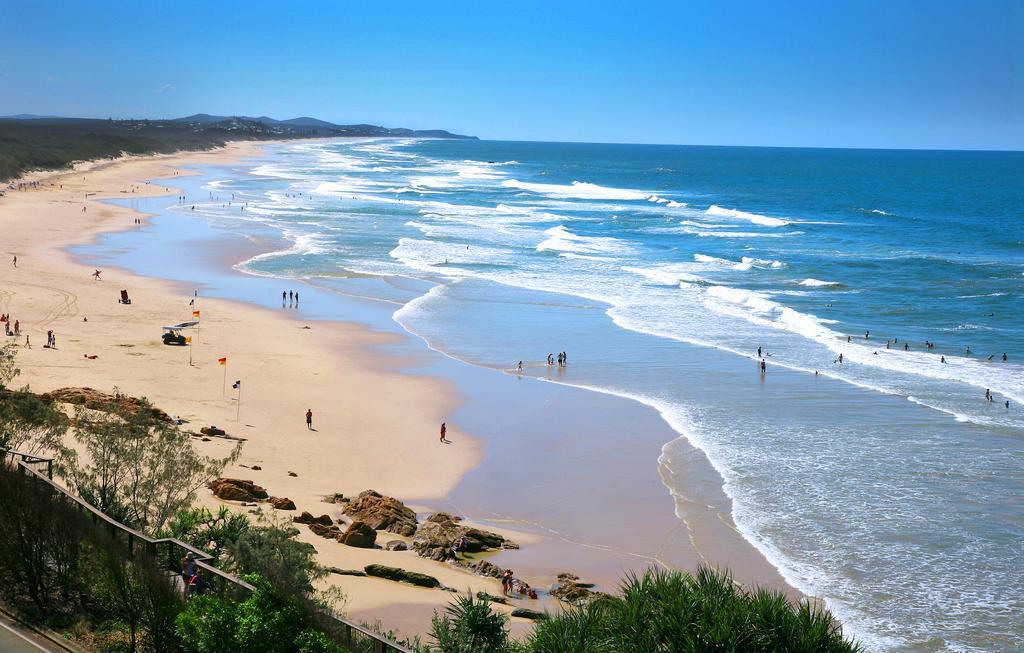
[[469, 625]]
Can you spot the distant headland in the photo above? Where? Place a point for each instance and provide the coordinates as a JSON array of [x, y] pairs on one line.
[[30, 142]]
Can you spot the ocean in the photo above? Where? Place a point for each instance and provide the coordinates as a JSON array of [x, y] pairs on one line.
[[886, 483]]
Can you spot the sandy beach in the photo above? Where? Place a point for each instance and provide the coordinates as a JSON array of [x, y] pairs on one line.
[[376, 422]]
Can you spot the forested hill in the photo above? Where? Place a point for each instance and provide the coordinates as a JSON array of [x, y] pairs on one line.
[[49, 143]]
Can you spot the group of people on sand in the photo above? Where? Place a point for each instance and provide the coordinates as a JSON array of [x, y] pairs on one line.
[[511, 585], [10, 330], [290, 297], [14, 330]]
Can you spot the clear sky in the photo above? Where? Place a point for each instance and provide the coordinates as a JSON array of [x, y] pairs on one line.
[[894, 73]]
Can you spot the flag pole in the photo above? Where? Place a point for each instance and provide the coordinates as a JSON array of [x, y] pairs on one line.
[[238, 404], [224, 385]]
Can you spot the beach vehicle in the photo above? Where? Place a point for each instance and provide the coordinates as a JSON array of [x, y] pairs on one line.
[[173, 334]]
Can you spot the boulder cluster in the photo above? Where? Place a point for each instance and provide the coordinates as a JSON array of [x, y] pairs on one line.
[[438, 537], [234, 489], [382, 513]]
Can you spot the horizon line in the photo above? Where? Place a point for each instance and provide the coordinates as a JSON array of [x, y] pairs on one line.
[[570, 142]]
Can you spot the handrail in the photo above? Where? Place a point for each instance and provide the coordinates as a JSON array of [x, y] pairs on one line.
[[23, 460]]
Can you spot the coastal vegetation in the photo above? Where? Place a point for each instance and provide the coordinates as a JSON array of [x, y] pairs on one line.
[[61, 567]]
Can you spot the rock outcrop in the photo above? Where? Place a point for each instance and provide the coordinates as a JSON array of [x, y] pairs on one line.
[[527, 613], [346, 572], [282, 503], [484, 596], [401, 575], [359, 534], [436, 538], [104, 401], [570, 589], [396, 545], [382, 513], [308, 518], [330, 532], [234, 489], [480, 567]]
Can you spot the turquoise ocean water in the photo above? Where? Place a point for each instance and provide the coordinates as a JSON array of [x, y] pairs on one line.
[[886, 484]]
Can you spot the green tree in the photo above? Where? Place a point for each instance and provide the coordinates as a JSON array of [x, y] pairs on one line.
[[208, 625], [269, 621], [27, 423], [272, 551], [136, 468], [204, 530]]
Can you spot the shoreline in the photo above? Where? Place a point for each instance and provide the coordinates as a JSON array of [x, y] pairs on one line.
[[387, 595]]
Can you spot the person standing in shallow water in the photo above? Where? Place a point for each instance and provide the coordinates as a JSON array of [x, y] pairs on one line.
[[764, 366]]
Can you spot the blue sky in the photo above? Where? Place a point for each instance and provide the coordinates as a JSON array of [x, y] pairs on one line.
[[923, 74]]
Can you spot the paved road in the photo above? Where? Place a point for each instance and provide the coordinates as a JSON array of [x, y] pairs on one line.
[[15, 638]]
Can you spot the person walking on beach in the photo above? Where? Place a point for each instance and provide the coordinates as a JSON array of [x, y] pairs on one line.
[[296, 297], [444, 433], [96, 275], [284, 297], [764, 366], [309, 419], [15, 261], [28, 345], [17, 327]]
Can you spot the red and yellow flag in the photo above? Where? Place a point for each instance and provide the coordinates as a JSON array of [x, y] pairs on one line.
[[195, 313], [223, 361]]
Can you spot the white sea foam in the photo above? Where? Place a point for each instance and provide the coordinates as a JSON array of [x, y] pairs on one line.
[[741, 266], [561, 239], [754, 218], [667, 275], [818, 283], [578, 190]]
